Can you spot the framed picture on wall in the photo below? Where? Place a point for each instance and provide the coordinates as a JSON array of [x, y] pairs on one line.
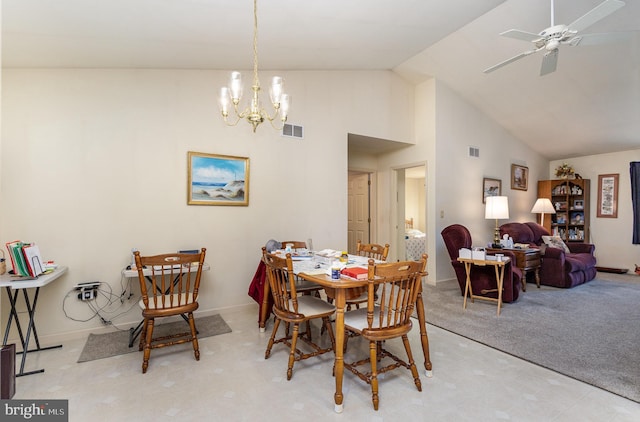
[[519, 177], [491, 187], [608, 195], [217, 179]]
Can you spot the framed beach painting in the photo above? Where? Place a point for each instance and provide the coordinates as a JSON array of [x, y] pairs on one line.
[[217, 179]]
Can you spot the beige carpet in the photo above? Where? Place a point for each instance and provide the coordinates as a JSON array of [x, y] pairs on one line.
[[99, 346]]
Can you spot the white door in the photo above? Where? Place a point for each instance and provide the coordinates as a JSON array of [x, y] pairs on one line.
[[359, 212]]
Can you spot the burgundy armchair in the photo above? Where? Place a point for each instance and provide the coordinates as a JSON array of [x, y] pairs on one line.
[[558, 268], [457, 236]]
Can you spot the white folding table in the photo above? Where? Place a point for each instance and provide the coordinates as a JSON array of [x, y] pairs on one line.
[[13, 286]]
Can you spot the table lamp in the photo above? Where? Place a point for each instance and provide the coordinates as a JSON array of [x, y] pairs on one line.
[[543, 206], [497, 207]]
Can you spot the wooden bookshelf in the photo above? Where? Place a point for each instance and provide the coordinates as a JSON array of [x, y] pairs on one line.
[[570, 197]]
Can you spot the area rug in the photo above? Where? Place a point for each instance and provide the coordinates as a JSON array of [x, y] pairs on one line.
[[590, 332], [100, 346]]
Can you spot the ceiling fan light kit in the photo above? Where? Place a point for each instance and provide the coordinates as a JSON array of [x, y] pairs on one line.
[[553, 37]]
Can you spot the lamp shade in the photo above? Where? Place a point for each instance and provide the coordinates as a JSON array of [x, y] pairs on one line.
[[497, 207], [543, 206]]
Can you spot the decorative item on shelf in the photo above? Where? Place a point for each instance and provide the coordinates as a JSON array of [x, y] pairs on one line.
[[565, 171], [543, 206], [254, 113], [497, 207]]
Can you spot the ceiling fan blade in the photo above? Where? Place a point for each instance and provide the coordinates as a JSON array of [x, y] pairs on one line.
[[549, 62], [511, 60], [602, 38], [599, 12], [521, 35]]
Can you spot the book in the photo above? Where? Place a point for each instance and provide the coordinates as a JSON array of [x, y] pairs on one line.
[[359, 273], [33, 259]]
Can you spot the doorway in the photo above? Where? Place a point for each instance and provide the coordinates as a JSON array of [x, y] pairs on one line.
[[411, 212]]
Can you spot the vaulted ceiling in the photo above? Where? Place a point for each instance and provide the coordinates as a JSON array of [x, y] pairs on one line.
[[590, 105]]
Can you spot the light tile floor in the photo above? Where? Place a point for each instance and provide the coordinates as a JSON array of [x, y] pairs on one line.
[[232, 381]]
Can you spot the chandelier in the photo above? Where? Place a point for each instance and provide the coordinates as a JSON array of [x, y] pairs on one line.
[[254, 113]]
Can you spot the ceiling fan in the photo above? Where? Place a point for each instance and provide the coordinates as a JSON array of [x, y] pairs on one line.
[[550, 39]]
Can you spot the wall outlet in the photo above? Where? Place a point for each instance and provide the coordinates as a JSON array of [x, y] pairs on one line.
[[88, 291]]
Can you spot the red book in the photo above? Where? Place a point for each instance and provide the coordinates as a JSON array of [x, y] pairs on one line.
[[359, 273]]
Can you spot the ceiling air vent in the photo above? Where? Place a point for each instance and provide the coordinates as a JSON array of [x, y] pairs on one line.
[[293, 131], [474, 152]]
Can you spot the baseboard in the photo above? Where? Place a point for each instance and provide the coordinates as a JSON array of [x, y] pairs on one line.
[[61, 338]]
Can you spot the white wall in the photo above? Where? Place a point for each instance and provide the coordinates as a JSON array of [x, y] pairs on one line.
[[612, 236], [94, 162], [445, 127]]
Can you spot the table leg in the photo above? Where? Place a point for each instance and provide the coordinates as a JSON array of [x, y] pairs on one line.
[[524, 280], [13, 314], [31, 310], [500, 280], [423, 334], [537, 274], [265, 305], [467, 285], [340, 301]]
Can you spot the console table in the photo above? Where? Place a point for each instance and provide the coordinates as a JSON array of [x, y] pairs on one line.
[[528, 260], [13, 286]]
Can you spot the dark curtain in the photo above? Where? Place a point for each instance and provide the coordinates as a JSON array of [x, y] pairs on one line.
[[635, 199]]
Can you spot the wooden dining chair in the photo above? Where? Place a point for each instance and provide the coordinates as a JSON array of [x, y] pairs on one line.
[[370, 250], [171, 289], [294, 310], [385, 318], [303, 287]]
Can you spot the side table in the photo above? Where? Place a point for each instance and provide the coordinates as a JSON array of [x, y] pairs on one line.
[[528, 260], [499, 271]]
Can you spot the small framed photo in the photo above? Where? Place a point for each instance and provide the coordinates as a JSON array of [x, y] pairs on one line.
[[491, 187], [519, 177], [578, 204], [217, 179], [608, 195]]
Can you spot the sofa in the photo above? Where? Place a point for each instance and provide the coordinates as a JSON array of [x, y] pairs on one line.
[[559, 268], [483, 278]]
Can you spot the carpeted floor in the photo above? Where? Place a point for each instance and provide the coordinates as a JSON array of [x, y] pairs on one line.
[[99, 346], [590, 332]]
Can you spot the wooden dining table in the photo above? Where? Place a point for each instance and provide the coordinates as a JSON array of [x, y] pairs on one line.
[[341, 289]]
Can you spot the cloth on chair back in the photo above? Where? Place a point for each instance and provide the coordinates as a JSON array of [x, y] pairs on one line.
[[457, 236]]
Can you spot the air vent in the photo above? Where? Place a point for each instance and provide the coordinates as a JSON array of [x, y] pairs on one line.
[[474, 152], [293, 131]]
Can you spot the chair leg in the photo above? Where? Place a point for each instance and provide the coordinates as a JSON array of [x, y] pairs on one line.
[[412, 364], [276, 324], [147, 344], [194, 337], [143, 335], [373, 348], [292, 353]]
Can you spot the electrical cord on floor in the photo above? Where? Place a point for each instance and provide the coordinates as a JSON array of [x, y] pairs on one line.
[[104, 311]]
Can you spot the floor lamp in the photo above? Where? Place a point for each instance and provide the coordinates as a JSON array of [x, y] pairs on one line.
[[543, 206], [497, 207]]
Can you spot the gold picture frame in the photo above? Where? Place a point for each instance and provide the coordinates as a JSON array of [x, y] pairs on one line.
[[491, 187], [214, 179], [608, 195], [519, 177]]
